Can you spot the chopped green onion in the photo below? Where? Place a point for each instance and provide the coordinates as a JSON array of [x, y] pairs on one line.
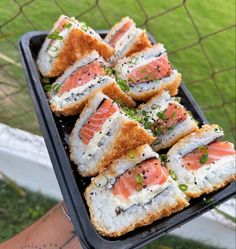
[[123, 85], [204, 157], [133, 60], [139, 179], [55, 35], [45, 80], [47, 87], [132, 113], [218, 130], [108, 71], [173, 115], [183, 187], [144, 113], [163, 158], [173, 174], [161, 115], [84, 26], [67, 25], [154, 106], [131, 154], [56, 87], [54, 48], [102, 182], [177, 99]]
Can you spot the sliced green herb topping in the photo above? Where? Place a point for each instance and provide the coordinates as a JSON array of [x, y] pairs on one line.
[[163, 158], [144, 113], [123, 85], [154, 107], [132, 113], [55, 35], [219, 129], [108, 71], [133, 60], [131, 154], [84, 26], [56, 87], [173, 174], [183, 187], [47, 87], [102, 182], [161, 115], [139, 179], [204, 154], [54, 48], [67, 25]]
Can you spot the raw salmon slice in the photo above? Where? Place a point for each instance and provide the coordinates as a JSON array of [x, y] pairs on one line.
[[120, 32], [97, 119], [173, 115], [82, 76], [150, 171], [216, 151], [156, 69]]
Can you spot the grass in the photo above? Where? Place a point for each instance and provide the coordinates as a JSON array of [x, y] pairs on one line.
[[17, 212], [174, 28]]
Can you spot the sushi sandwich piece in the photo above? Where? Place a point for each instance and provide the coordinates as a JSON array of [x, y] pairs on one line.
[[67, 41], [135, 191], [126, 39], [167, 119], [148, 72], [103, 133], [71, 90], [201, 162]]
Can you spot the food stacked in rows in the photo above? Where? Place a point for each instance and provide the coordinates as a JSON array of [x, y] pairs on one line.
[[124, 90]]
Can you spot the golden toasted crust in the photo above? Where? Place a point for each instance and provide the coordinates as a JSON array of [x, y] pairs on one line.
[[141, 43], [150, 218], [112, 90], [129, 137], [211, 188], [76, 45], [171, 86]]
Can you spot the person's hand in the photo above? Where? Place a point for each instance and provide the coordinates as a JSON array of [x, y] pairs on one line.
[[53, 231]]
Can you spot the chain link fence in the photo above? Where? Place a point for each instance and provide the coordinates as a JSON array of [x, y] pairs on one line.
[[199, 36]]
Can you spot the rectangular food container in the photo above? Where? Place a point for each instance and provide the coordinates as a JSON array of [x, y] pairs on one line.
[[56, 131]]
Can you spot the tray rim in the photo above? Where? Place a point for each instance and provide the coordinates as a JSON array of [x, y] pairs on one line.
[[54, 145]]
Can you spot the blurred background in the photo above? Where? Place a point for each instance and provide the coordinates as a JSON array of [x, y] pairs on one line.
[[199, 37]]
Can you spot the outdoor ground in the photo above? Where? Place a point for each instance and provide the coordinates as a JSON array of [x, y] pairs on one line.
[[207, 63], [17, 212]]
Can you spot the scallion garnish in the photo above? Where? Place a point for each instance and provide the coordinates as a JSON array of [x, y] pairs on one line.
[[173, 174], [144, 113], [47, 87], [55, 35], [133, 60], [102, 182], [131, 154], [108, 71], [123, 85], [154, 107], [204, 154], [45, 80], [56, 87], [163, 158], [183, 187], [67, 25], [161, 115], [84, 26], [54, 48], [139, 179], [131, 112]]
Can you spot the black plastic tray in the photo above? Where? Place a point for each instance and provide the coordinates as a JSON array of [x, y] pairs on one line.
[[56, 131]]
